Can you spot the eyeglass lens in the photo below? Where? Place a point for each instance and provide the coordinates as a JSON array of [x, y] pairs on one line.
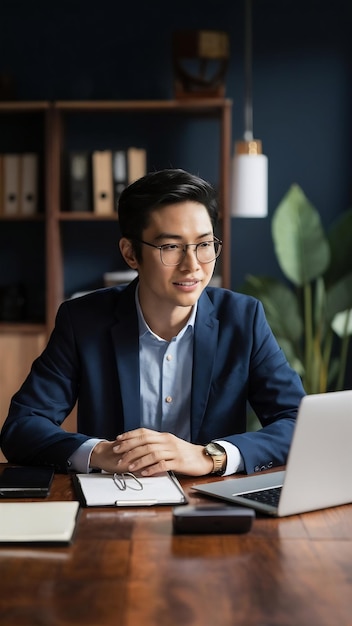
[[206, 252]]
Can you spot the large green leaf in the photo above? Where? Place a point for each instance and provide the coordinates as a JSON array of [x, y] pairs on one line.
[[340, 239], [304, 320], [342, 323], [301, 247], [280, 305], [339, 297], [319, 311]]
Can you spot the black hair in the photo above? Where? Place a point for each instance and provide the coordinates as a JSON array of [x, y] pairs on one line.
[[156, 190]]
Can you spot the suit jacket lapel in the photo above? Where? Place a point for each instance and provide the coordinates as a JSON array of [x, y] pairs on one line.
[[204, 351], [125, 337]]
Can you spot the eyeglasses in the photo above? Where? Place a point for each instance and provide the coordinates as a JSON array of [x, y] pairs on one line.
[[127, 481], [174, 253]]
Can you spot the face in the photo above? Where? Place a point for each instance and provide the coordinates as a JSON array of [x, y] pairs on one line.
[[170, 287]]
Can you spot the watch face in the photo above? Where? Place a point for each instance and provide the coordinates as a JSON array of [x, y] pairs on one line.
[[214, 449]]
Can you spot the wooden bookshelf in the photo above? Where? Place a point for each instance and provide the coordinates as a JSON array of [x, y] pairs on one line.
[[21, 342], [218, 109]]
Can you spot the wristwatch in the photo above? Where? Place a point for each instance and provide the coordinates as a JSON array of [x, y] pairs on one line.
[[218, 454]]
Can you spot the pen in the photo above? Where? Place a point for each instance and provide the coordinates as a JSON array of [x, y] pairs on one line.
[[135, 502]]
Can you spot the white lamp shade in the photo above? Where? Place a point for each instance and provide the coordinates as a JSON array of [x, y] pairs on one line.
[[249, 185]]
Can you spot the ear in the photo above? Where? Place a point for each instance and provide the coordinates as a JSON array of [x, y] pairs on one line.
[[126, 249]]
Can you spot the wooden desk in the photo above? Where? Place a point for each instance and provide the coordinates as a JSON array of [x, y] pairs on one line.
[[126, 568]]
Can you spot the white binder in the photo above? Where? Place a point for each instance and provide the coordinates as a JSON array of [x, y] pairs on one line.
[[29, 184], [102, 182]]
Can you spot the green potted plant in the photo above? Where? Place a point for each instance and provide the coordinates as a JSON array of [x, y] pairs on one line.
[[310, 312]]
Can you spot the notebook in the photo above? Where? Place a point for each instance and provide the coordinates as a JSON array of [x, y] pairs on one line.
[[318, 472], [38, 522]]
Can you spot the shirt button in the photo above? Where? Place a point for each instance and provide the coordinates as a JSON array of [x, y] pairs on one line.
[[168, 399], [169, 357]]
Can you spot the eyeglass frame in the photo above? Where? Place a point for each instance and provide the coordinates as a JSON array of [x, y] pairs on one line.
[[184, 248], [122, 485]]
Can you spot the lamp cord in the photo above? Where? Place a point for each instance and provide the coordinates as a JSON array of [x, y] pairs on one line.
[[248, 100]]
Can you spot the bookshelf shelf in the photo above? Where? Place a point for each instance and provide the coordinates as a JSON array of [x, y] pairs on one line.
[[205, 106], [23, 218], [84, 216], [24, 107]]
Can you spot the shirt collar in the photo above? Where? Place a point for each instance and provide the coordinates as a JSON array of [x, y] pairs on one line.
[[144, 328]]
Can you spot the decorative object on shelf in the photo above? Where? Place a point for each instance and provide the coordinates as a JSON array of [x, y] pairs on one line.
[[200, 61], [249, 166], [313, 320]]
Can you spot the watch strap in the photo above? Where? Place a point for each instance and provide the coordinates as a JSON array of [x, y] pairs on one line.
[[219, 458], [218, 462]]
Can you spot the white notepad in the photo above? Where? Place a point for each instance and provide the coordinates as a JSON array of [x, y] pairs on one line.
[[37, 522], [101, 490]]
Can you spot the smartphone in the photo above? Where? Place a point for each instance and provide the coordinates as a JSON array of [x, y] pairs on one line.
[[209, 519], [26, 482]]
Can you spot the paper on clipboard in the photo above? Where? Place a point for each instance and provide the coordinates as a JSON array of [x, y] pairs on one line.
[[101, 490]]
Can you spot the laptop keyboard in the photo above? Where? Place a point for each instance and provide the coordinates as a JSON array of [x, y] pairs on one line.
[[266, 496]]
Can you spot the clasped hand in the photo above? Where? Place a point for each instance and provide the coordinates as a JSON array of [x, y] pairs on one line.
[[148, 452]]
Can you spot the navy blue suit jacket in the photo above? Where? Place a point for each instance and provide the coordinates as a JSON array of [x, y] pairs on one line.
[[93, 356]]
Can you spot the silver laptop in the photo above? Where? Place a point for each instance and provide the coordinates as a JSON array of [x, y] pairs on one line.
[[318, 471]]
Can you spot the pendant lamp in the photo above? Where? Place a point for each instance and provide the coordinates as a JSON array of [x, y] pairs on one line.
[[249, 197]]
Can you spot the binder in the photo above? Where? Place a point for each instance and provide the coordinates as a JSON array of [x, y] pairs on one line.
[[103, 201], [80, 181], [11, 170], [136, 163], [120, 178], [28, 184], [1, 184]]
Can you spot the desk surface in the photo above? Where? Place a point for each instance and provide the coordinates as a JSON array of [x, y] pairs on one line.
[[126, 568]]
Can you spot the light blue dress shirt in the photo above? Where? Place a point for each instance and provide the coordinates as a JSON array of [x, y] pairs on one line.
[[166, 378], [165, 390]]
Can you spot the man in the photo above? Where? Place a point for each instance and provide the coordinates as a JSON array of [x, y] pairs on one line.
[[164, 367]]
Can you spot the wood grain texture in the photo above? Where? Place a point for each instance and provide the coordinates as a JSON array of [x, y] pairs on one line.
[[126, 567], [18, 349]]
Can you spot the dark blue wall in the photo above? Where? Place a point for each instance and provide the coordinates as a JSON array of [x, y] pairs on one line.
[[70, 49]]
